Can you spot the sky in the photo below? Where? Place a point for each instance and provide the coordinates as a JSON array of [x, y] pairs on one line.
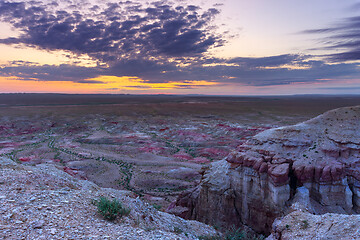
[[213, 47]]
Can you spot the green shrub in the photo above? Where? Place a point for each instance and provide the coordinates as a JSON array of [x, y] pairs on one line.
[[110, 209], [178, 230], [210, 238], [238, 234], [304, 224], [157, 206], [234, 234]]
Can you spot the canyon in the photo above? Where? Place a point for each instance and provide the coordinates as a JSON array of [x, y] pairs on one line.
[[312, 166]]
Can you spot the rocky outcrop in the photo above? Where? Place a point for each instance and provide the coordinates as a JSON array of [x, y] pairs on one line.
[[44, 202], [257, 183]]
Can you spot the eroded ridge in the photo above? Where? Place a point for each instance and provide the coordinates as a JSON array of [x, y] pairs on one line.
[[258, 181]]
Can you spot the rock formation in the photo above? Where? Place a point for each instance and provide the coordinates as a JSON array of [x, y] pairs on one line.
[[306, 226], [257, 183]]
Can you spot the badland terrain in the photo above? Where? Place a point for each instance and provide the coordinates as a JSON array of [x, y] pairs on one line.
[[167, 150]]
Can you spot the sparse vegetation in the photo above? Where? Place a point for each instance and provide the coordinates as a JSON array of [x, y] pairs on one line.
[[157, 206], [234, 234], [110, 209], [149, 229], [178, 230], [304, 224]]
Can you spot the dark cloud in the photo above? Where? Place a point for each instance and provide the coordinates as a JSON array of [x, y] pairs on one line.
[[271, 61], [117, 31], [344, 38], [263, 71], [341, 88], [309, 72], [189, 86], [51, 73]]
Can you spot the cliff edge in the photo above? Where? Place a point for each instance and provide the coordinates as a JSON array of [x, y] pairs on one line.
[[313, 166]]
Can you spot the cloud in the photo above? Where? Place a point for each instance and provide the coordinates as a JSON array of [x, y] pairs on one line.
[[139, 87], [90, 81], [354, 7], [341, 88], [51, 72], [158, 42], [343, 37], [115, 30], [271, 61], [190, 86], [112, 89], [247, 71], [259, 76]]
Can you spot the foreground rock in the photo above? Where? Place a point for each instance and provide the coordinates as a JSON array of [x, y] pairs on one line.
[[306, 226], [44, 202], [257, 182]]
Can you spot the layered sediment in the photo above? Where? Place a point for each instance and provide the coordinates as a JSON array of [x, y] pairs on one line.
[[258, 181]]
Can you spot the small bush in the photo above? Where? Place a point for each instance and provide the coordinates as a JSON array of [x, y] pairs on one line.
[[157, 206], [178, 230], [304, 224], [210, 238], [149, 229], [234, 234], [110, 209], [238, 234]]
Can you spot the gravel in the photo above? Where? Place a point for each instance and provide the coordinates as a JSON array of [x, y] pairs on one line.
[[43, 202]]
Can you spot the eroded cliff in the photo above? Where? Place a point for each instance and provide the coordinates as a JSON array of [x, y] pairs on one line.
[[258, 182]]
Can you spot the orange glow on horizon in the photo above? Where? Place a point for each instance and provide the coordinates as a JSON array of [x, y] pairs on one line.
[[133, 85], [102, 84], [15, 85]]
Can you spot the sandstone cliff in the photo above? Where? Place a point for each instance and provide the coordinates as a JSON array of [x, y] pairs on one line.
[[258, 182]]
